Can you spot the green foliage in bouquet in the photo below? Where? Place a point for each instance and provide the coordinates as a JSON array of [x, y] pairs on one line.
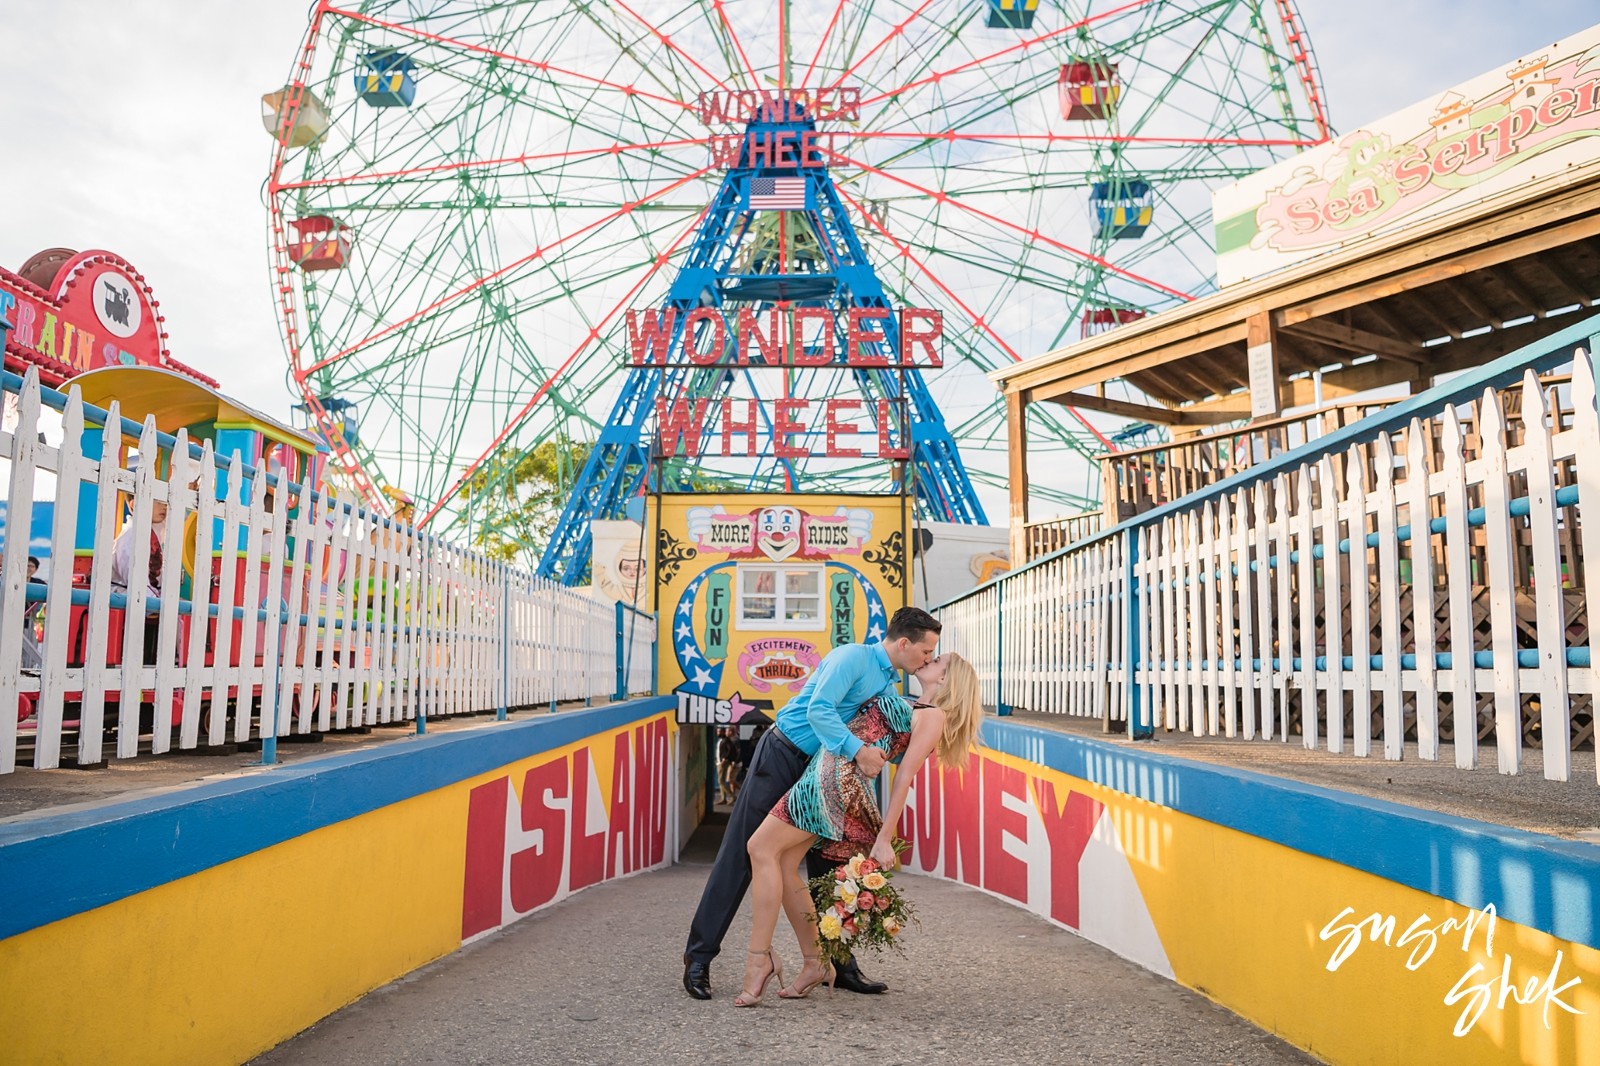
[[858, 907]]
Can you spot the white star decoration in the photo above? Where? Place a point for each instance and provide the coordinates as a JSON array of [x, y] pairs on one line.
[[874, 609], [686, 608], [687, 653], [701, 677], [684, 632], [874, 632]]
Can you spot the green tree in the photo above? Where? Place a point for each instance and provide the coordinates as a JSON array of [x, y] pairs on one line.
[[514, 501]]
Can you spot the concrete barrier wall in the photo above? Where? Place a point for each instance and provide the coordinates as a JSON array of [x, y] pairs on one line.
[[1362, 931], [209, 924]]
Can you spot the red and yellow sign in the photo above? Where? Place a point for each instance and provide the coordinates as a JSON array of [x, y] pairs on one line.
[[97, 311]]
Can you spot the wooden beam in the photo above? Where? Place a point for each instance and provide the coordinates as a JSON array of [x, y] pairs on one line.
[[1519, 292], [1379, 269], [1261, 354], [1123, 359], [1447, 256], [1017, 431], [1462, 291], [1355, 340], [1161, 416], [1301, 392], [1424, 309], [1396, 326], [1222, 368], [1350, 380], [1558, 280]]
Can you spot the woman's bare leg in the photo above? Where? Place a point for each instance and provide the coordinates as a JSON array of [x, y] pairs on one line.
[[771, 842], [801, 911]]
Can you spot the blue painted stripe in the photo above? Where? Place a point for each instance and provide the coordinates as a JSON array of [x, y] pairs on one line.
[[1538, 881], [55, 866]]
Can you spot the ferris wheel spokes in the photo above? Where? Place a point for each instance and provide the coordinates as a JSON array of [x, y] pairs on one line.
[[593, 335]]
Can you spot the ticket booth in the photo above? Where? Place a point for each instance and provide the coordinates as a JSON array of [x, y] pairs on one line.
[[753, 590]]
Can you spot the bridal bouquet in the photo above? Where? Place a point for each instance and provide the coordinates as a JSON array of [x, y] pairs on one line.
[[858, 907]]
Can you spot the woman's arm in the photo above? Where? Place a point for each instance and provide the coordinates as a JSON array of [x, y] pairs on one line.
[[926, 725]]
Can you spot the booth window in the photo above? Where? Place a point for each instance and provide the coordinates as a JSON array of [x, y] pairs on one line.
[[780, 597]]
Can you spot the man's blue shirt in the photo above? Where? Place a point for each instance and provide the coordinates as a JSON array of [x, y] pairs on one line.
[[845, 679]]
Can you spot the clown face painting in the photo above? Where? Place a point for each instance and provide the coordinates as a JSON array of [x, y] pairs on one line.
[[778, 532]]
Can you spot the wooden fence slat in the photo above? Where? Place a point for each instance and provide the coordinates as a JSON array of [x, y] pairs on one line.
[[1306, 597], [1333, 604], [1418, 494], [1586, 431], [1360, 605], [1555, 724], [1502, 593], [72, 468], [1458, 572], [1388, 678]]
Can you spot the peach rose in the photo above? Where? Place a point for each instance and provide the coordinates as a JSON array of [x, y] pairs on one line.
[[874, 881], [891, 926]]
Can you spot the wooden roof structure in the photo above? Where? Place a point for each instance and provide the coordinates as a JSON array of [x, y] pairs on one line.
[[1450, 293]]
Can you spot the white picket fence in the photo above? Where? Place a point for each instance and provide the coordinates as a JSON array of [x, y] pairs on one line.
[[1418, 577], [364, 622]]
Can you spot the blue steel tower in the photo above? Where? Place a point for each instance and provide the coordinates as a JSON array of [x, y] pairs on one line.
[[733, 263]]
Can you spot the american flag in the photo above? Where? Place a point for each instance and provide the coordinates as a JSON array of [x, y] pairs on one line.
[[777, 194]]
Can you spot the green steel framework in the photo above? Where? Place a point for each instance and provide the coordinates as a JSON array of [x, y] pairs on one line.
[[552, 170]]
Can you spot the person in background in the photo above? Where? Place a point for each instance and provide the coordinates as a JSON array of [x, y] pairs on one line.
[[747, 751], [727, 764], [122, 556], [32, 656], [32, 659], [816, 718]]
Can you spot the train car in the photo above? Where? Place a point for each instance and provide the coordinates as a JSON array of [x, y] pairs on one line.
[[293, 458]]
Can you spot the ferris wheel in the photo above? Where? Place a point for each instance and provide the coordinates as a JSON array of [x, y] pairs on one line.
[[465, 200]]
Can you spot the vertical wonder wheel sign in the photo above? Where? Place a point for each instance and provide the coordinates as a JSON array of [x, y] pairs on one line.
[[755, 589]]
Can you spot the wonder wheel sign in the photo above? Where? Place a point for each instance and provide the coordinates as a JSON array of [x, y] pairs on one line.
[[840, 215]]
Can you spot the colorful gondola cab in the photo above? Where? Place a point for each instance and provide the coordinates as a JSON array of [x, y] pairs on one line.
[[295, 116], [319, 243], [341, 424], [1012, 14], [384, 79], [1097, 320], [1122, 209], [1089, 90]]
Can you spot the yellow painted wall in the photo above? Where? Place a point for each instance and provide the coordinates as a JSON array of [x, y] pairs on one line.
[[220, 966], [1254, 924], [224, 964]]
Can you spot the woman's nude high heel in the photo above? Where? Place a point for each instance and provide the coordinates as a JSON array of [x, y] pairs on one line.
[[802, 992], [746, 998]]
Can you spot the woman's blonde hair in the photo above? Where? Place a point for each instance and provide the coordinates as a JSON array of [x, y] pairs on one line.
[[962, 703]]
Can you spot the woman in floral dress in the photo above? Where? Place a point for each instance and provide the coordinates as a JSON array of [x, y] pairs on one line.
[[834, 803]]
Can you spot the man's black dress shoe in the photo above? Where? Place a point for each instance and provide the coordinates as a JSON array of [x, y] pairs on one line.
[[697, 978], [848, 976]]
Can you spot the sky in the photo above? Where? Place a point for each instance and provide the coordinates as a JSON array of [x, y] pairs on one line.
[[133, 125]]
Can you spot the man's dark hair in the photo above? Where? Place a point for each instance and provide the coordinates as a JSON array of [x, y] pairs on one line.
[[33, 561], [912, 622]]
